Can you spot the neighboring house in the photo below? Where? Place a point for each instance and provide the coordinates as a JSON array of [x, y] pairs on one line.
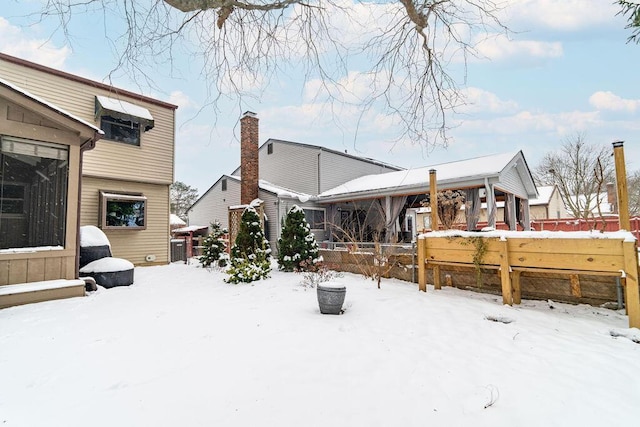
[[126, 178], [548, 205], [290, 174], [41, 150], [597, 204], [342, 193]]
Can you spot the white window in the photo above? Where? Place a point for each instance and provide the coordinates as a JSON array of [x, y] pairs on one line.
[[122, 211]]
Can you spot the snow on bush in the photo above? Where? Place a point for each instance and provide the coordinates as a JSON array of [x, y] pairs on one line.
[[214, 247], [297, 247], [250, 254]]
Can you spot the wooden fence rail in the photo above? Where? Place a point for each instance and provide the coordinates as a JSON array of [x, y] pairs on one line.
[[609, 254]]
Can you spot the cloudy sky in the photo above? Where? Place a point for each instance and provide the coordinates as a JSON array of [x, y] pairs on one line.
[[565, 69]]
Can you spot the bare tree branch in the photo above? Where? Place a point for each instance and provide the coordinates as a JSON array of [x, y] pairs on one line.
[[579, 170], [402, 52]]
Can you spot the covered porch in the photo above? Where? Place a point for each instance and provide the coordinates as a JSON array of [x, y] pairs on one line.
[[391, 207]]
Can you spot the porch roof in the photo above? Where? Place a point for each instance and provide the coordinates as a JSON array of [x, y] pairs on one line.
[[461, 174], [54, 108], [280, 192]]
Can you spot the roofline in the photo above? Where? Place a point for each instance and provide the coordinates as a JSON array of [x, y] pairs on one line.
[[237, 179], [330, 150], [471, 181], [97, 132], [83, 80], [414, 189]]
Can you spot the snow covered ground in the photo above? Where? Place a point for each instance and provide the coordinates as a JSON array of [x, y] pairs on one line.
[[182, 348]]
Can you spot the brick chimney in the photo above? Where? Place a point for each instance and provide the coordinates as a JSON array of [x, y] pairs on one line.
[[612, 197], [248, 157]]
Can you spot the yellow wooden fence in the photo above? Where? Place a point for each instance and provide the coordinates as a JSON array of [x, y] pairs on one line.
[[609, 254]]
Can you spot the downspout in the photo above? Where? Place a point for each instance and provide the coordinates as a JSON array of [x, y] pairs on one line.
[[89, 144], [318, 164]]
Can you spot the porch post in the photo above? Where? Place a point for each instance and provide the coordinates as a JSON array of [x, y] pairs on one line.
[[387, 215], [511, 211], [433, 199], [526, 219], [491, 204]]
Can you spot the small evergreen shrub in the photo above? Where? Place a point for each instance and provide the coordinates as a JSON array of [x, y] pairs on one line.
[[297, 247], [250, 254], [213, 252]]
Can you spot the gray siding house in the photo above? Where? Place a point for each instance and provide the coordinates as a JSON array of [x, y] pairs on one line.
[[345, 195], [311, 169], [291, 173]]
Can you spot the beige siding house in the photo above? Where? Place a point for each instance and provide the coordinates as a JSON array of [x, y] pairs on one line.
[[41, 148], [126, 177]]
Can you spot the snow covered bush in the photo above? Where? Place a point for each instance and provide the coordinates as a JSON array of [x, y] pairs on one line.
[[297, 247], [250, 254], [213, 252]]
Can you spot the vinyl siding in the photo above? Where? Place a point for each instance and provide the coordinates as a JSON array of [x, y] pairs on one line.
[[336, 169], [151, 162], [511, 182], [557, 205], [309, 169], [213, 205], [132, 245], [270, 207], [291, 166]]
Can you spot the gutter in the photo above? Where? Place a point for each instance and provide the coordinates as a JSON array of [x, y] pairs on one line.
[[89, 144], [395, 191]]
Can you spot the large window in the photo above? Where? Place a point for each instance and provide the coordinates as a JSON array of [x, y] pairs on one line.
[[122, 211], [122, 121], [315, 218], [33, 193], [120, 130]]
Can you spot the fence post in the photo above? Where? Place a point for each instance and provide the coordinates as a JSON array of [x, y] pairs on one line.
[[505, 273], [422, 273], [632, 294]]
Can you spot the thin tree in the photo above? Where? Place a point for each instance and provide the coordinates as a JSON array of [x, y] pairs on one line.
[[401, 53], [182, 197], [579, 170]]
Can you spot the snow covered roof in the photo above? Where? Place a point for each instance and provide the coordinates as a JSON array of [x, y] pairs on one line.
[[175, 220], [279, 191], [459, 174], [49, 105], [124, 110], [544, 195], [124, 107], [265, 146], [597, 203], [190, 228]]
